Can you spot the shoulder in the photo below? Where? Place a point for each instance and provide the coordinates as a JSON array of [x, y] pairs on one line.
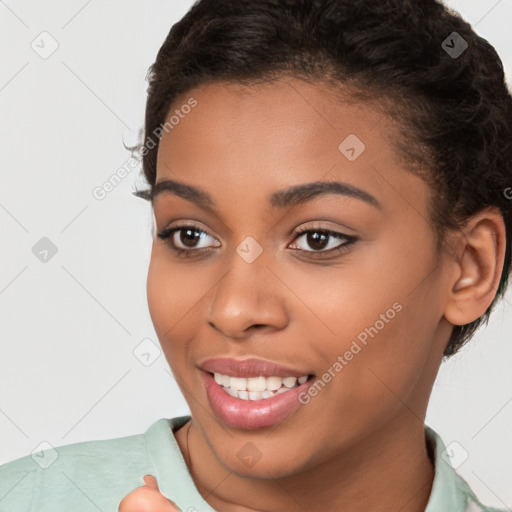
[[78, 476]]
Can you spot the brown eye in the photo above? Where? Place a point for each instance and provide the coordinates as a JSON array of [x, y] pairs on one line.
[[185, 239], [322, 240], [317, 240], [188, 237]]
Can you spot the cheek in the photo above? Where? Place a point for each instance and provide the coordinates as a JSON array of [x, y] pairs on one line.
[[386, 348], [158, 287], [381, 319], [174, 296]]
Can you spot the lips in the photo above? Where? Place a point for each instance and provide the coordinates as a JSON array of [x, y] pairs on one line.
[[250, 367], [248, 414]]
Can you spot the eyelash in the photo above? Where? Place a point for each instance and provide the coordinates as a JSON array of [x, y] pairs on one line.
[[167, 235]]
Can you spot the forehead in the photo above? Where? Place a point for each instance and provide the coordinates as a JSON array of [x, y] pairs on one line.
[[280, 133], [285, 118], [286, 106]]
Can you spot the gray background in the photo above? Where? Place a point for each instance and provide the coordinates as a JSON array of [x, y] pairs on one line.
[[70, 325]]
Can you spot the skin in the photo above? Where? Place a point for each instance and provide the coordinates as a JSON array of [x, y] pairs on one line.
[[147, 499], [360, 442]]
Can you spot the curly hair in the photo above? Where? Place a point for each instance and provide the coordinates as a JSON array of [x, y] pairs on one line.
[[454, 109]]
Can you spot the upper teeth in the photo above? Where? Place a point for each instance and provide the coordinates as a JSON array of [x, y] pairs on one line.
[[255, 388]]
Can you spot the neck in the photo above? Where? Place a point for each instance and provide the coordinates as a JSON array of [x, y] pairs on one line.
[[388, 469]]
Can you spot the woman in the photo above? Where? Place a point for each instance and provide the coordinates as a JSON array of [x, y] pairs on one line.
[[328, 180]]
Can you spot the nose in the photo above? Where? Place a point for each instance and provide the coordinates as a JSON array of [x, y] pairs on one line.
[[249, 297]]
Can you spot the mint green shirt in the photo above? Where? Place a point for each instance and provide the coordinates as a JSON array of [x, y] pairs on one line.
[[94, 476]]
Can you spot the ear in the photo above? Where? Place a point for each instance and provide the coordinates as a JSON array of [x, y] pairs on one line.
[[476, 274]]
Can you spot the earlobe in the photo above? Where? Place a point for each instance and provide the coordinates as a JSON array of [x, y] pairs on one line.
[[477, 272]]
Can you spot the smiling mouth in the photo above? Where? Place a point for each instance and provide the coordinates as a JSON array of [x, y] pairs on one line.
[[258, 388]]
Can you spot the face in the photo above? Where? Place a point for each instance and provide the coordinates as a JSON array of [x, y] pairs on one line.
[[355, 300]]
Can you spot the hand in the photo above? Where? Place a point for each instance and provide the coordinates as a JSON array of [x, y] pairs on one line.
[[147, 499]]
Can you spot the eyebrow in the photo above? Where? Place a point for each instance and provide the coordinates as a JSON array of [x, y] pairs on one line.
[[291, 196]]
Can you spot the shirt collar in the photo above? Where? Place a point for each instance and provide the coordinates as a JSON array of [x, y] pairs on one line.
[[170, 469], [449, 491]]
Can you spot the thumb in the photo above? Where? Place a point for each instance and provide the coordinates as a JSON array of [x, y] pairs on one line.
[[151, 482]]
